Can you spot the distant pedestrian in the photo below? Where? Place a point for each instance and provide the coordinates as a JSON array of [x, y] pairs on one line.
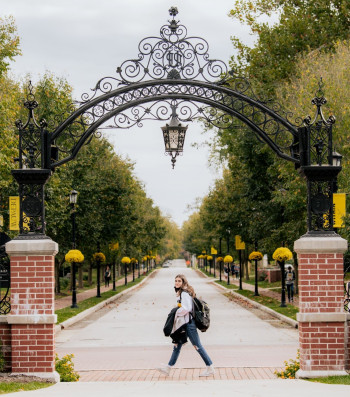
[[290, 278], [185, 326], [236, 271], [232, 269], [107, 276]]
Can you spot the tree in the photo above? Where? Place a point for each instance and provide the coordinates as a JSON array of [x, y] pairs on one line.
[[9, 43], [302, 26]]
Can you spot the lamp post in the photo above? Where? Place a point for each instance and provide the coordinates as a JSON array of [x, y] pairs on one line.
[[73, 200], [174, 136], [256, 292], [98, 265], [228, 253], [283, 292]]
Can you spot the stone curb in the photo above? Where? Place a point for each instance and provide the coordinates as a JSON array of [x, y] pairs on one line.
[[259, 306], [80, 316]]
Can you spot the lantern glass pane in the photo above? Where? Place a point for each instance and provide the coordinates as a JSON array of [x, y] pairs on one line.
[[173, 139]]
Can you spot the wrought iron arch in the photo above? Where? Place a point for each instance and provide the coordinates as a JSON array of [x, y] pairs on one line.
[[172, 69]]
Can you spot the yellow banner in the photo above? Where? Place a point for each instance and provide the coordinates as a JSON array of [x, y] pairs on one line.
[[213, 251], [14, 212], [1, 220], [240, 245], [339, 209]]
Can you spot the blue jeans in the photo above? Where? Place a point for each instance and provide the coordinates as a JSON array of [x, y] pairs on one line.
[[194, 338], [290, 290]]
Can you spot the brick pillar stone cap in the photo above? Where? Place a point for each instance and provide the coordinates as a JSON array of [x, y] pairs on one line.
[[31, 247], [320, 245]]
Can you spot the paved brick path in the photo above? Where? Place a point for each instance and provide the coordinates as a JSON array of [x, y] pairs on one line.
[[183, 374], [67, 300]]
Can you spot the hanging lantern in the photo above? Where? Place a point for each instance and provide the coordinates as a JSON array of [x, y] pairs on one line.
[[174, 136]]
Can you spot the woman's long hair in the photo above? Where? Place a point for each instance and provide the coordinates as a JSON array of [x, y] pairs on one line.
[[185, 286]]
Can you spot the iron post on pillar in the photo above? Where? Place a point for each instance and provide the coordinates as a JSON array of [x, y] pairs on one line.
[[320, 165]]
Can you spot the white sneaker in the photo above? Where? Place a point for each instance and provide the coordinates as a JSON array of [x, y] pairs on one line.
[[210, 370], [164, 369]]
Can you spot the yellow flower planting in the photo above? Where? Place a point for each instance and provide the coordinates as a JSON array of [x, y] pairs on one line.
[[290, 368], [144, 258], [74, 256], [219, 259], [126, 259], [228, 259], [255, 255], [210, 258], [200, 256], [99, 256], [133, 260], [282, 254]]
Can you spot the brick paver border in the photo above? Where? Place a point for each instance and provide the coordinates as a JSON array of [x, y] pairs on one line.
[[224, 373]]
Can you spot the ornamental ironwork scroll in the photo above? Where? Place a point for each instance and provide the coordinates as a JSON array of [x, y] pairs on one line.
[[5, 304], [316, 155], [34, 170]]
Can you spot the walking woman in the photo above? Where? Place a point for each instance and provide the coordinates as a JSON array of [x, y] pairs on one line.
[[183, 320]]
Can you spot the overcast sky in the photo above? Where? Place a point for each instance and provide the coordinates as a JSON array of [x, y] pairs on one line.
[[84, 40]]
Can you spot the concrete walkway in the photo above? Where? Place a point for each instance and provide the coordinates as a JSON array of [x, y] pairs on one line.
[[205, 388], [127, 336], [117, 349]]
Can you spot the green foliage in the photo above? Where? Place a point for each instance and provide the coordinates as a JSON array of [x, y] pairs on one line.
[[333, 380], [284, 30], [9, 43], [12, 387], [290, 369], [65, 368]]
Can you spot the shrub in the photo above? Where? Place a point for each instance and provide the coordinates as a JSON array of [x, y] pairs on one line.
[[85, 277], [290, 369], [64, 283], [65, 367]]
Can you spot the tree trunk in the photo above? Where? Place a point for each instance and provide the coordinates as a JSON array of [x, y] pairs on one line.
[[90, 274]]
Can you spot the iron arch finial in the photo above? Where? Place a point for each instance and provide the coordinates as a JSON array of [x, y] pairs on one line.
[[173, 11]]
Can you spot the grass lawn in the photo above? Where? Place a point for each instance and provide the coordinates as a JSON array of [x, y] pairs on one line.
[[334, 380], [12, 387], [68, 312], [86, 285], [274, 304]]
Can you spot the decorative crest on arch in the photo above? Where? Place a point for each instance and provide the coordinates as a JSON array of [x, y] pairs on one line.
[[172, 55]]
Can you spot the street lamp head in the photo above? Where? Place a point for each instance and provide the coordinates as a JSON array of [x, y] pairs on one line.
[[73, 197], [336, 159], [174, 136]]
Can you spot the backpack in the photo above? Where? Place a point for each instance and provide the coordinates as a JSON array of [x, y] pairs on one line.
[[201, 314]]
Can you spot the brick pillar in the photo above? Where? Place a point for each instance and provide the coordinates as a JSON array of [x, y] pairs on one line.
[[32, 316], [322, 319]]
